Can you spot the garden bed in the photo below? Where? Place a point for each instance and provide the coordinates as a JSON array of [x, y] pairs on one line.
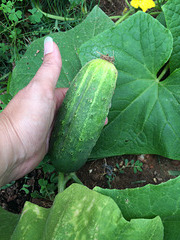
[[103, 173]]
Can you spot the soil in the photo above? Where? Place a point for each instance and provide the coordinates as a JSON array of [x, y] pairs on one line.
[[112, 7], [114, 172], [104, 173]]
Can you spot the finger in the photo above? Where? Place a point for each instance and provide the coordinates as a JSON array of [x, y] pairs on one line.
[[106, 121], [59, 96], [49, 72]]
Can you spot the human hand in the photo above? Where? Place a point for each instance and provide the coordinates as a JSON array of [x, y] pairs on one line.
[[26, 122]]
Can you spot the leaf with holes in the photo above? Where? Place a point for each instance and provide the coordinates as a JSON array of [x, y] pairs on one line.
[[145, 112], [68, 42]]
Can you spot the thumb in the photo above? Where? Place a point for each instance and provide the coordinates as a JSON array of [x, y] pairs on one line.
[[49, 72]]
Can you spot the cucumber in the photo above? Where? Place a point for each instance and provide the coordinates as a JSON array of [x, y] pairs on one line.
[[82, 115]]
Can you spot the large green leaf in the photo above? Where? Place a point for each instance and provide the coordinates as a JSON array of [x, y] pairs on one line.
[[149, 201], [86, 214], [68, 42], [172, 15], [8, 222], [145, 112], [140, 229], [79, 213], [31, 223]]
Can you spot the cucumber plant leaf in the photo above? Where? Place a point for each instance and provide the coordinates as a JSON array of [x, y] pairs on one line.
[[68, 42], [150, 201], [86, 215], [8, 222], [172, 16], [145, 112], [31, 223], [94, 216]]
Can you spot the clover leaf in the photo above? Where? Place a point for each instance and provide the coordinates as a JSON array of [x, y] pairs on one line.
[[36, 15]]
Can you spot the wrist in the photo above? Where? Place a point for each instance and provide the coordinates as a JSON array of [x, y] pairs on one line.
[[11, 152]]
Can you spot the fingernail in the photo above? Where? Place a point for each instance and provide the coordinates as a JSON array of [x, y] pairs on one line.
[[106, 121], [48, 45]]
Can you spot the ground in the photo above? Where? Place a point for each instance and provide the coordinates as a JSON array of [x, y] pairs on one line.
[[113, 7], [115, 172], [103, 173]]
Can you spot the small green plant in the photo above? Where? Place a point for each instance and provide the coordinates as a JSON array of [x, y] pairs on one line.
[[10, 30], [135, 165], [110, 179], [47, 184], [7, 185], [109, 173], [25, 188], [16, 25], [47, 188]]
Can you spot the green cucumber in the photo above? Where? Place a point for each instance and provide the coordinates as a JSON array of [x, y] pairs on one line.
[[82, 115]]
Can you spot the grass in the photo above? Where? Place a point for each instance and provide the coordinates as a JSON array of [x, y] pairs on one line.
[[21, 22]]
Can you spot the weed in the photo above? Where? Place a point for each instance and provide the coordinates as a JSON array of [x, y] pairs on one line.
[[135, 165], [110, 178], [21, 22], [109, 173], [7, 185], [47, 188], [25, 188], [49, 183]]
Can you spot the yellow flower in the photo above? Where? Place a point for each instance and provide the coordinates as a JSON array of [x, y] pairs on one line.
[[143, 4]]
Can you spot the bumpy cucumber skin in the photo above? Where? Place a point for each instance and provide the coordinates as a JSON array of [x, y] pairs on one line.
[[82, 115]]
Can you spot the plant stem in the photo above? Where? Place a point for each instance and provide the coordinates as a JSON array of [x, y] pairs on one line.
[[75, 178], [122, 18], [163, 73], [54, 16], [127, 3], [154, 13], [61, 182]]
